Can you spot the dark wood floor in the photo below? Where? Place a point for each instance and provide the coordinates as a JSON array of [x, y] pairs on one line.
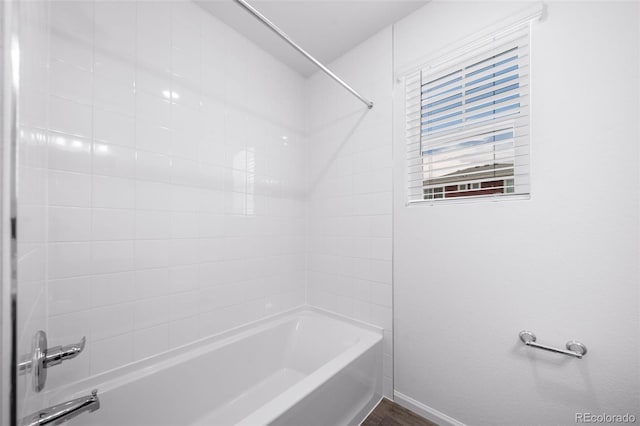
[[388, 413]]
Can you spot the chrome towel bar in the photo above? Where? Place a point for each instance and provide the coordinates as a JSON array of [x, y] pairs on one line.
[[574, 348]]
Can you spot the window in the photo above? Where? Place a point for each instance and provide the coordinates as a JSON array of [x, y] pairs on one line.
[[468, 122]]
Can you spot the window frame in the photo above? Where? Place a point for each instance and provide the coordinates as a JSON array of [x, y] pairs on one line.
[[515, 185]]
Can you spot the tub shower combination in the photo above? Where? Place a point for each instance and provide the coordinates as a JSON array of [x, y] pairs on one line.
[[303, 367]]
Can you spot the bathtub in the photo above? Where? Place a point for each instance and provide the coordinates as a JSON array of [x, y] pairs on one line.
[[303, 368]]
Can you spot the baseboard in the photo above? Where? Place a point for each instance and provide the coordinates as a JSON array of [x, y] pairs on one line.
[[425, 411], [367, 410]]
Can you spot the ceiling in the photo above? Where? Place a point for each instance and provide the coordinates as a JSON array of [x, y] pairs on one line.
[[324, 28]]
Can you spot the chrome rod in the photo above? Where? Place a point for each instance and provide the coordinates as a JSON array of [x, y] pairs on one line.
[[574, 348], [288, 39], [551, 349]]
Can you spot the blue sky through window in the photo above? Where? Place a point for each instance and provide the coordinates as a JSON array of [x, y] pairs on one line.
[[455, 90]]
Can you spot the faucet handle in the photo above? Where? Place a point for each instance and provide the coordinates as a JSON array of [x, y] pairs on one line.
[[58, 354], [43, 357]]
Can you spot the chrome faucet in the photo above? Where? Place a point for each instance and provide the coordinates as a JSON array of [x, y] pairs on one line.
[[43, 357], [64, 412], [57, 354]]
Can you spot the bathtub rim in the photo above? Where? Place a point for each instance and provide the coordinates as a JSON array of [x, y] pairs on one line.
[[278, 406], [136, 370]]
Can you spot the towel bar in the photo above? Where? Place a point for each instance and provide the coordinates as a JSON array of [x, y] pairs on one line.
[[574, 348]]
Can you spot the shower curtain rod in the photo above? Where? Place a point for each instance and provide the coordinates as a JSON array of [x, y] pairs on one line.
[[286, 38]]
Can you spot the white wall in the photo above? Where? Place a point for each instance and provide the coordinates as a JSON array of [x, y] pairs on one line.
[[564, 264], [151, 222], [350, 182]]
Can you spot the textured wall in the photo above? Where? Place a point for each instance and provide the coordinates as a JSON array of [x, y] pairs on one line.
[[564, 264]]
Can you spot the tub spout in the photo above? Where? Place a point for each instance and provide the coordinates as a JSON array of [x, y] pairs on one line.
[[64, 412]]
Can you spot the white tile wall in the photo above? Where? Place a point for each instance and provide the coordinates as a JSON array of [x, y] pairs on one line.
[[170, 192], [32, 192], [350, 191], [162, 197]]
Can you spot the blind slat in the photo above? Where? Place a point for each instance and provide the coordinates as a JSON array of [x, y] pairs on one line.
[[501, 95]]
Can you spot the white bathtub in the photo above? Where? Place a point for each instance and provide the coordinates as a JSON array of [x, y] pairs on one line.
[[301, 369]]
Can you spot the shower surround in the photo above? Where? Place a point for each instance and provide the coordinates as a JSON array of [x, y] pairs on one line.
[[173, 185], [162, 181]]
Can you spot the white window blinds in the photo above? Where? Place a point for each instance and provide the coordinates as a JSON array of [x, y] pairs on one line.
[[467, 124]]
